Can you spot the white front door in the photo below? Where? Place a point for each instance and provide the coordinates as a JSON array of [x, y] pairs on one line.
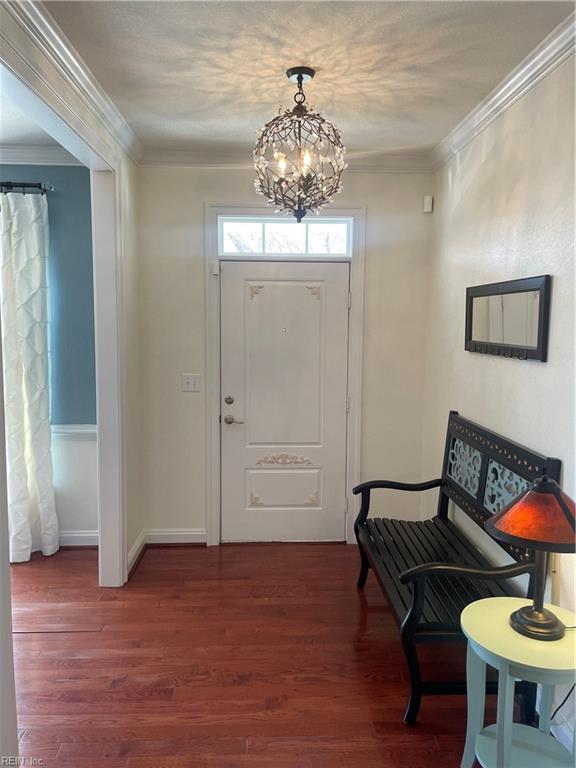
[[284, 387]]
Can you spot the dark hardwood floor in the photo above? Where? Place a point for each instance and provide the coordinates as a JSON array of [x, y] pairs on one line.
[[250, 655]]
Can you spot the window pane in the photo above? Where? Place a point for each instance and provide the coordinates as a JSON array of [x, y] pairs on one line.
[[285, 237], [330, 237], [241, 237]]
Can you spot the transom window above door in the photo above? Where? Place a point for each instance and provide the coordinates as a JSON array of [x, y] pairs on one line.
[[320, 237]]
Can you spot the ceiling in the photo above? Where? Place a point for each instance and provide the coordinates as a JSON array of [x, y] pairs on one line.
[[17, 129], [395, 77]]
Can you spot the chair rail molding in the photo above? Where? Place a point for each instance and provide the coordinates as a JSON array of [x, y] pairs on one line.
[[40, 28], [552, 51], [75, 431]]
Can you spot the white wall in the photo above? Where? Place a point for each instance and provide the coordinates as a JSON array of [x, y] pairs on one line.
[[74, 459], [504, 209], [171, 259]]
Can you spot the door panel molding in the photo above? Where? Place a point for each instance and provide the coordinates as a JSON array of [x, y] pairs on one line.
[[212, 360]]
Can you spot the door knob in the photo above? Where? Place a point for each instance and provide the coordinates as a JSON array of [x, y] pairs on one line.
[[232, 420]]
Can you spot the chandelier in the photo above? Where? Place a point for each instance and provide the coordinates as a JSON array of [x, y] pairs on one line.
[[299, 156]]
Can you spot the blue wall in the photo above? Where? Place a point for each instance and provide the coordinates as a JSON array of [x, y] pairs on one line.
[[73, 374]]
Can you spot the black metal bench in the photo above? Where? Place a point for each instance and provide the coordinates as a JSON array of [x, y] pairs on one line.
[[428, 569]]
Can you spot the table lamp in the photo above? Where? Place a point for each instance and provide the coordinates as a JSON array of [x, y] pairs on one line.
[[542, 518]]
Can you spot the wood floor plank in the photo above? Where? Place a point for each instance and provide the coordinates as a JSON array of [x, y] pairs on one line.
[[248, 655]]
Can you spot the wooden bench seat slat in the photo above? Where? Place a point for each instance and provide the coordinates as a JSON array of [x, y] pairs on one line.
[[398, 594], [480, 471], [494, 588], [432, 549], [438, 596], [404, 561], [442, 551]]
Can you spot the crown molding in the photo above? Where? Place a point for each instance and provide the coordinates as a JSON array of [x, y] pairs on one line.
[[212, 161], [414, 162], [242, 161], [41, 28], [552, 51], [21, 154]]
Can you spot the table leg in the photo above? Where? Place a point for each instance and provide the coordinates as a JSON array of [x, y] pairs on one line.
[[546, 696], [476, 687], [505, 716]]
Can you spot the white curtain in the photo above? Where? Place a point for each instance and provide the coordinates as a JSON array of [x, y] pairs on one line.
[[24, 313]]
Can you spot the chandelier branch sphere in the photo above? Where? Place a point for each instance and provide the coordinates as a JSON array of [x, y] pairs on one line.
[[299, 156]]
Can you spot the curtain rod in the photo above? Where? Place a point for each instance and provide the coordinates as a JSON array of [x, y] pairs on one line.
[[24, 186]]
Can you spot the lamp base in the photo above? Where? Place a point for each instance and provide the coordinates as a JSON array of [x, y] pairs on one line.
[[537, 624]]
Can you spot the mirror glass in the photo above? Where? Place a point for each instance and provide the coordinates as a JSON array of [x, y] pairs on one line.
[[509, 318]]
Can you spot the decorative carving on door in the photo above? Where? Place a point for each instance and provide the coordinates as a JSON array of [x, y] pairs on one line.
[[283, 458], [255, 290], [314, 290]]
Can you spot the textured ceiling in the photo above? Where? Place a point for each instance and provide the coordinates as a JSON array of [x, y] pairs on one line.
[[394, 76], [17, 129]]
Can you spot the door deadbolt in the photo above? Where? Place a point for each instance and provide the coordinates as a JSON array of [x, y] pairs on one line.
[[228, 399]]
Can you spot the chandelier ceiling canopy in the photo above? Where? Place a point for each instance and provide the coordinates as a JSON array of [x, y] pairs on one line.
[[299, 156]]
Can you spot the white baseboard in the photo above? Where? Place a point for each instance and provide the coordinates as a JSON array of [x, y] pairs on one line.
[[78, 538], [136, 549], [164, 536], [175, 536]]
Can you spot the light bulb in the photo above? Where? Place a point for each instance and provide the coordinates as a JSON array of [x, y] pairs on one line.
[[306, 161], [282, 165]]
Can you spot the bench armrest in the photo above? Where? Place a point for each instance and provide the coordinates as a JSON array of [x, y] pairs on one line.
[[418, 575], [366, 488], [420, 572], [363, 487]]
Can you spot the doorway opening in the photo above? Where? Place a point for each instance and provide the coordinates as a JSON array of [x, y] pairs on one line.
[[284, 335], [74, 326]]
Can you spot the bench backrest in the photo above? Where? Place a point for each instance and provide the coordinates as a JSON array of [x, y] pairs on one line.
[[483, 472]]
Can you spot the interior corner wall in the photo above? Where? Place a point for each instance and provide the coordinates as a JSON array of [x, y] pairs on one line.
[[504, 209], [171, 203]]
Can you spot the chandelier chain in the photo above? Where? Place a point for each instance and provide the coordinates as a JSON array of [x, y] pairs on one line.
[[299, 96]]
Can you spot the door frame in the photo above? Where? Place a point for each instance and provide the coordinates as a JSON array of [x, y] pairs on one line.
[[212, 353], [106, 179]]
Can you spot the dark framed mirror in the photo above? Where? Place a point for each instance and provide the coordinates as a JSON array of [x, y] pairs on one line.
[[509, 319]]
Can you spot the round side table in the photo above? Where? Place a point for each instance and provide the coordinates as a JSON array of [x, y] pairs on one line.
[[491, 640]]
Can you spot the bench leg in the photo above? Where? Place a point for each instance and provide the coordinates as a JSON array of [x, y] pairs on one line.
[[413, 705], [364, 568]]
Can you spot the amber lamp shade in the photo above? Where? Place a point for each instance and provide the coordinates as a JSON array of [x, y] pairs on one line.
[[541, 519]]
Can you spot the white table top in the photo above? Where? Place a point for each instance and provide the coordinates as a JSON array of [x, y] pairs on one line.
[[486, 622]]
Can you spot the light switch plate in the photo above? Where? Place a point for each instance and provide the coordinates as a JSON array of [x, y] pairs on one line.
[[190, 382]]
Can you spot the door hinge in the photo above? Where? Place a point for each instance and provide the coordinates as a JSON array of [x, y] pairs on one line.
[[349, 299], [347, 404]]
